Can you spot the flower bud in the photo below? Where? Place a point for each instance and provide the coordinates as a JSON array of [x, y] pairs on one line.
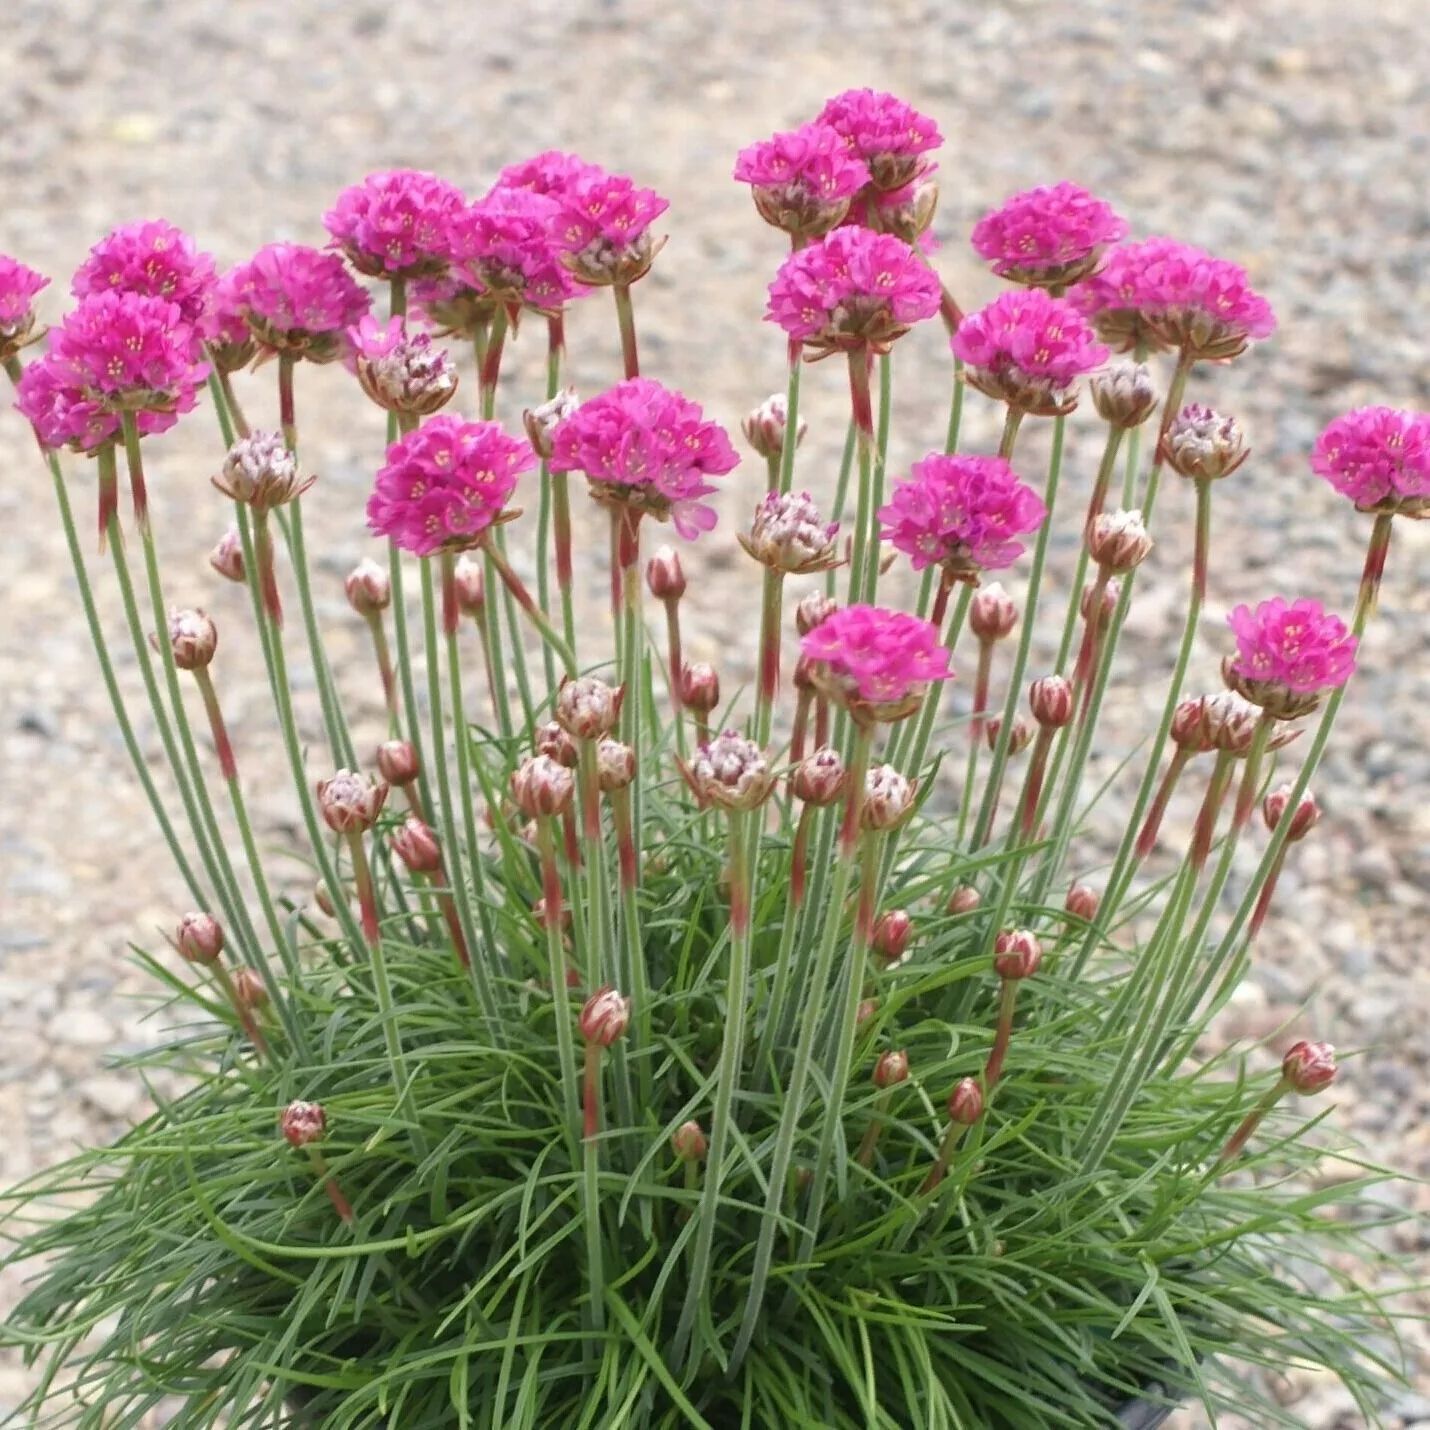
[[1119, 542], [368, 588], [789, 535], [1187, 728], [965, 1102], [227, 556], [1204, 445], [688, 1142], [541, 422], [813, 610], [865, 1013], [819, 778], [412, 376], [731, 772], [1018, 741], [764, 427], [261, 472], [907, 212], [1303, 821], [699, 687], [350, 802], [1111, 593], [615, 765], [199, 938], [541, 787], [888, 799], [964, 900], [1082, 902], [397, 762], [1309, 1067], [605, 1017], [891, 1069], [193, 638], [471, 586], [664, 575], [1051, 700], [553, 741], [587, 708], [249, 989], [324, 899], [1124, 394], [304, 1123], [992, 614], [892, 931], [416, 845], [1017, 953]]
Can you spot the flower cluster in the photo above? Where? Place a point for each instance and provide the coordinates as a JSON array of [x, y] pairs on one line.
[[852, 289], [789, 534], [603, 225], [1379, 457], [649, 448], [1287, 653], [299, 301], [18, 286], [890, 136], [961, 513], [394, 224], [401, 372], [445, 484], [876, 662], [1048, 236], [802, 180], [152, 258], [503, 246]]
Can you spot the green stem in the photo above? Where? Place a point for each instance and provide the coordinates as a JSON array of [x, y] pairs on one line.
[[591, 1196], [791, 440], [1099, 493], [863, 418], [876, 501], [626, 320], [554, 341]]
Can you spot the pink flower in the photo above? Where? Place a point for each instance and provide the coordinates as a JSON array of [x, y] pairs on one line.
[[551, 173], [18, 286], [299, 300], [852, 289], [63, 415], [152, 258], [802, 180], [394, 224], [641, 444], [224, 325], [1027, 348], [603, 224], [1287, 652], [401, 372], [445, 483], [503, 246], [1047, 236], [1114, 297], [961, 513], [1378, 457], [876, 661], [889, 135]]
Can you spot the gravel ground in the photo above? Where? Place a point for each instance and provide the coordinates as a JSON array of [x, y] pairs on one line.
[[1290, 134]]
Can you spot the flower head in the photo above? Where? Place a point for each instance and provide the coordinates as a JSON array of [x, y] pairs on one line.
[[153, 258], [876, 662], [299, 301], [63, 413], [1309, 1067], [1379, 457], [850, 290], [1287, 654], [891, 137], [602, 225], [542, 787], [1048, 236], [260, 471], [731, 772], [224, 325], [664, 574], [688, 1142], [551, 172], [961, 513], [587, 708], [788, 534], [397, 762], [199, 938], [819, 778], [18, 287], [401, 372], [1204, 445], [227, 555], [764, 427], [907, 213], [802, 181], [368, 588], [1124, 394], [992, 614], [1304, 818], [504, 246], [965, 1102], [445, 484], [1017, 953], [888, 799], [891, 1068], [193, 638], [394, 224], [1027, 349], [890, 936], [303, 1123], [643, 446], [416, 845], [350, 801], [1119, 541], [604, 1018]]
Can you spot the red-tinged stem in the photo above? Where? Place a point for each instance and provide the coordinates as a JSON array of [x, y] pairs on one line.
[[451, 608], [1268, 889], [589, 784], [362, 878], [625, 838], [948, 1147], [570, 840], [138, 488], [799, 858], [940, 601], [949, 310], [861, 400], [217, 728], [626, 319], [1092, 628], [550, 881], [1251, 775], [384, 666], [267, 577], [769, 676], [1001, 1037], [821, 722], [1098, 500], [1374, 570], [447, 902], [1033, 785], [1201, 548], [1250, 1123], [524, 599], [235, 412], [241, 1012], [854, 798], [980, 690], [341, 1205], [1147, 839], [489, 373], [561, 529], [1211, 808], [591, 1092], [865, 1154], [800, 727], [1011, 423], [414, 800], [108, 501], [286, 409]]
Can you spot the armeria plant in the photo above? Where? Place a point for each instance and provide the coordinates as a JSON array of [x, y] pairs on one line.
[[648, 1059]]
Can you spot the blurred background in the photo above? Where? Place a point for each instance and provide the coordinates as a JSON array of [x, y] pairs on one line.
[[1290, 135]]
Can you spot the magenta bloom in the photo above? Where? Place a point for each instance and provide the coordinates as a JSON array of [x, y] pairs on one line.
[[961, 513], [1027, 348], [224, 325], [603, 226], [503, 246], [852, 289], [803, 180], [891, 137], [445, 483], [152, 258], [63, 414], [1378, 457], [1047, 236], [552, 173], [1115, 296], [876, 662], [299, 300], [1287, 653], [18, 286], [394, 224], [643, 446]]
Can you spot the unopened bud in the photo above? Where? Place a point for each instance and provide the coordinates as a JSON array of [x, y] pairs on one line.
[[888, 798], [1018, 741], [992, 614], [552, 740], [541, 787], [193, 638], [1204, 445], [891, 1069], [350, 802], [541, 422], [249, 989], [261, 472], [813, 610], [765, 426], [605, 1017], [324, 899], [1111, 593], [368, 588], [587, 708], [1017, 953], [1309, 1067], [688, 1142], [907, 212], [1303, 820], [1119, 542], [227, 556], [397, 762], [405, 373], [1082, 902], [304, 1123], [892, 931], [964, 900], [416, 845], [471, 586], [867, 1010], [789, 535], [699, 687], [819, 778], [1186, 729], [730, 771], [1051, 701], [199, 938], [1124, 394], [965, 1102], [615, 765], [664, 575]]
